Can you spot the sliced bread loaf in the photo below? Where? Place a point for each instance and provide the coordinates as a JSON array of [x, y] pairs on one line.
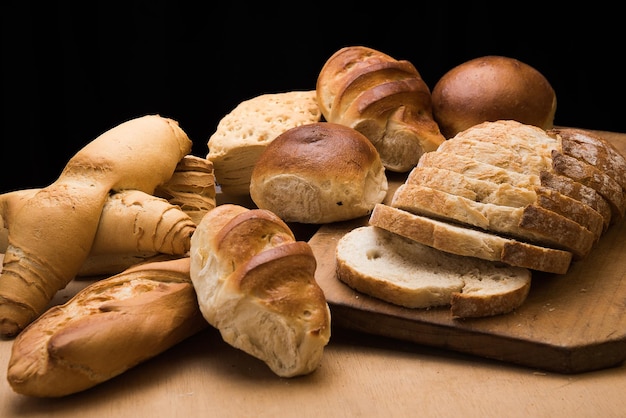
[[404, 272]]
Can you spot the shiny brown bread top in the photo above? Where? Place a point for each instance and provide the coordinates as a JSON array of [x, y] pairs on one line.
[[492, 88]]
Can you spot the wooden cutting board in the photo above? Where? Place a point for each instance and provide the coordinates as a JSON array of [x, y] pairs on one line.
[[570, 323]]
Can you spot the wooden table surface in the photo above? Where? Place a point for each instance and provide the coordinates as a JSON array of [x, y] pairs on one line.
[[361, 375]]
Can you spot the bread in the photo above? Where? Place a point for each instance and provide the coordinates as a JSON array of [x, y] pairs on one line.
[[51, 235], [470, 242], [404, 272], [529, 222], [242, 135], [510, 181], [483, 190], [191, 187], [107, 328], [383, 98], [492, 88], [256, 284], [472, 168], [319, 173]]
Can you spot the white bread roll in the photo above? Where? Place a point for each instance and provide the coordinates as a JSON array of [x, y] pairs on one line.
[[404, 272], [491, 88], [257, 286], [319, 173]]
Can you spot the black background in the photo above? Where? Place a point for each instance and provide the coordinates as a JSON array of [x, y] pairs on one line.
[[72, 70]]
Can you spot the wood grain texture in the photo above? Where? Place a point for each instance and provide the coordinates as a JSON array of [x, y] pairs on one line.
[[570, 323]]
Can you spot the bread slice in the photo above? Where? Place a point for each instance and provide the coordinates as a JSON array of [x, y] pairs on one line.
[[466, 241], [404, 272], [243, 134], [470, 167], [504, 194], [530, 223]]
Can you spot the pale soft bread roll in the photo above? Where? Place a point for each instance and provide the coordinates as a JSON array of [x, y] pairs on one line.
[[256, 284], [51, 235], [242, 135], [404, 272], [465, 241], [383, 98], [319, 173], [492, 88], [530, 223], [107, 328]]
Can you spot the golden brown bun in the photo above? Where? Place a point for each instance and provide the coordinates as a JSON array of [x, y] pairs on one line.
[[492, 88], [319, 173]]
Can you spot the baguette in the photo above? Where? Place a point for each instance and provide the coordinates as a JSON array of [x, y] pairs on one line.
[[256, 284], [404, 272], [139, 154], [107, 328]]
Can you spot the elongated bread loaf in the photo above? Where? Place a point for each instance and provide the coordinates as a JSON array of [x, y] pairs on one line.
[[105, 329], [256, 284], [404, 272]]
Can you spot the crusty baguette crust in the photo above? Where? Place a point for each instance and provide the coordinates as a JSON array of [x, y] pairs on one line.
[[105, 329], [470, 242], [404, 272]]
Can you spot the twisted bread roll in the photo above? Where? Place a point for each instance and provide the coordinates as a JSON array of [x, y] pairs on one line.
[[383, 98], [52, 234], [105, 329], [256, 284]]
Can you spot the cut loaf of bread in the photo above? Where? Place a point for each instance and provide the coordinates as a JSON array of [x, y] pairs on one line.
[[404, 272], [466, 241]]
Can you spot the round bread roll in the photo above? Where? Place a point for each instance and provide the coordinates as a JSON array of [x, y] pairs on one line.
[[319, 173], [492, 88]]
